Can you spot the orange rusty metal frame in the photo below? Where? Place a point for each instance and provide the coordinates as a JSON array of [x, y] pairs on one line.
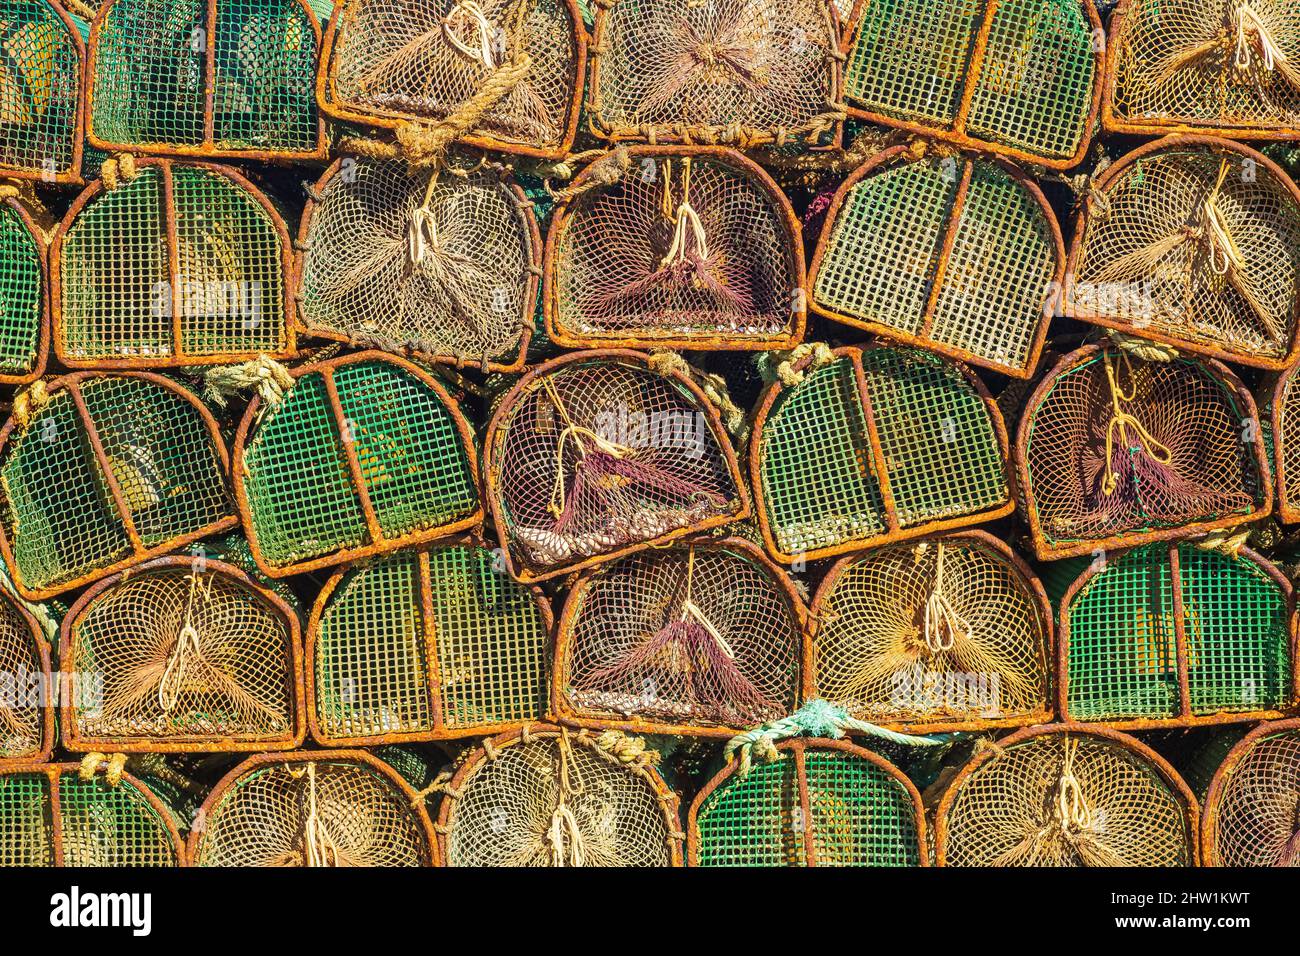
[[333, 106], [1158, 763], [646, 338], [799, 746], [1231, 386], [974, 538], [46, 293], [379, 542], [48, 691], [72, 384], [1083, 219], [194, 743], [1214, 796], [1287, 513], [878, 466], [496, 435], [955, 132], [566, 713]]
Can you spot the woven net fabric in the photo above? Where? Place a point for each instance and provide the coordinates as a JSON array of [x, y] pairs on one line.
[[382, 666], [22, 296], [22, 719], [912, 63], [179, 75], [1201, 245], [1063, 799], [1287, 438], [441, 266], [40, 91], [1258, 805]]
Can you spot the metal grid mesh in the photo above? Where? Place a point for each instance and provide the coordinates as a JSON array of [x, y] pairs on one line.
[[750, 821], [40, 91], [26, 825], [1288, 447], [1259, 795], [22, 722], [111, 826], [861, 816], [22, 294]]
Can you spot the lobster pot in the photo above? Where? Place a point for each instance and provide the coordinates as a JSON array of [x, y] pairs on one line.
[[596, 454], [1250, 817], [1115, 450], [1177, 634], [876, 445], [696, 639], [692, 249], [107, 472], [192, 655], [219, 78], [512, 69], [433, 264], [182, 265], [427, 645], [960, 255], [24, 295], [862, 811], [338, 808], [50, 816], [1193, 242], [948, 633], [742, 72], [26, 686], [1063, 795], [1020, 77], [1281, 414], [543, 796], [40, 92]]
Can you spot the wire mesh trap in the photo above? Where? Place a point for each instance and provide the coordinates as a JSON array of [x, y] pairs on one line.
[[704, 638], [949, 633], [24, 293], [1017, 77], [691, 249], [510, 70], [819, 803], [1229, 67], [597, 454], [103, 472], [739, 72], [545, 796], [40, 92], [26, 686], [426, 645], [184, 264], [364, 454], [215, 78], [878, 445], [338, 808], [1064, 795], [1251, 810], [440, 265], [1280, 413], [957, 254], [1193, 242]]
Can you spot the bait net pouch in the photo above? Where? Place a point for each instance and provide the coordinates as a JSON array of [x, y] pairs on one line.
[[545, 796], [690, 249], [956, 254], [214, 78], [737, 72], [26, 686], [880, 444], [439, 265], [1195, 243], [426, 645], [947, 634], [105, 472], [24, 295], [1250, 811], [819, 803], [1062, 795], [510, 69], [40, 92], [596, 454], [1115, 450], [1017, 77], [364, 454], [340, 808], [704, 638], [193, 656]]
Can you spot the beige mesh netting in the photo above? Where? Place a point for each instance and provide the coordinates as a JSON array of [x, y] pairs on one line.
[[26, 720], [1252, 813], [1283, 415]]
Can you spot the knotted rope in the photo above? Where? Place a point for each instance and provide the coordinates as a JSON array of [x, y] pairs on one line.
[[622, 749], [319, 848], [113, 766], [567, 845], [186, 649], [30, 401], [267, 377], [943, 625], [1225, 542], [439, 785], [1121, 421], [1144, 349], [714, 387], [606, 171], [118, 169], [781, 366]]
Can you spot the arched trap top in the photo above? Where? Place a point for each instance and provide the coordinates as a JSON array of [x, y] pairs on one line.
[[1250, 810]]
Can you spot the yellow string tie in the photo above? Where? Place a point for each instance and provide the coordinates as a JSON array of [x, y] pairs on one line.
[[483, 53], [578, 434], [942, 622], [187, 648], [320, 849], [1071, 807], [1224, 254], [691, 610], [1121, 421], [567, 845]]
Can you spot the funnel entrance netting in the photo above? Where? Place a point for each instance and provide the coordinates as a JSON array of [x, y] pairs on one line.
[[25, 662], [40, 93], [23, 292], [1254, 806]]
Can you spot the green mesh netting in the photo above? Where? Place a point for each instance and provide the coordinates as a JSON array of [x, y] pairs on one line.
[[40, 91], [22, 297]]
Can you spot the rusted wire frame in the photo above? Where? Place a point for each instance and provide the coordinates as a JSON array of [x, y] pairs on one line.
[[895, 531], [1214, 796], [47, 294], [1083, 218], [879, 162], [1287, 513], [1177, 786], [332, 106], [799, 747], [977, 538], [72, 383], [752, 172], [193, 744], [178, 358], [566, 713], [957, 133], [1025, 485], [496, 434], [47, 700]]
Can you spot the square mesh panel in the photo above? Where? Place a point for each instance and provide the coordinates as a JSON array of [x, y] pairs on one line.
[[40, 92], [26, 826], [750, 821], [111, 826], [860, 815], [23, 293]]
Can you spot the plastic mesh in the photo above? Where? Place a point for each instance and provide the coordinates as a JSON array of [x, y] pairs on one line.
[[22, 296], [22, 717], [1257, 823], [40, 91]]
